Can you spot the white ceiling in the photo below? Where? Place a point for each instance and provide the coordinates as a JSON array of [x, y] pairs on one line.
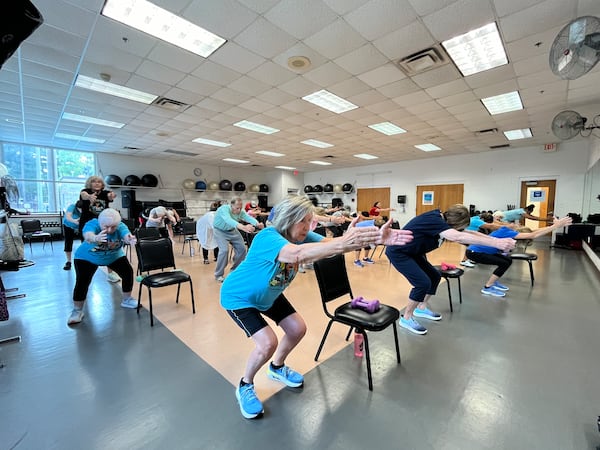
[[353, 46]]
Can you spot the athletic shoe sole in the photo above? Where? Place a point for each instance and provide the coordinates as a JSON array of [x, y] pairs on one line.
[[416, 313], [411, 329], [246, 415], [493, 294], [275, 376]]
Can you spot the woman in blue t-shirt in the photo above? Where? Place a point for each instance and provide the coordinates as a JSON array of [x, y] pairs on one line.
[[255, 288], [489, 255], [102, 246], [429, 229]]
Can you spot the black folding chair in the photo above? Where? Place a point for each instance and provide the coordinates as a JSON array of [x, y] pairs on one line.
[[32, 229]]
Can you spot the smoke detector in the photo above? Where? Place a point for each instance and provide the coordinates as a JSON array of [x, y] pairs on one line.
[[298, 62]]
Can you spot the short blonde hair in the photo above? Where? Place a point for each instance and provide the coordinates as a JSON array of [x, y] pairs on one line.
[[93, 179]]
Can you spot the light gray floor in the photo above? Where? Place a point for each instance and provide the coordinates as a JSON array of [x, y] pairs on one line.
[[520, 373]]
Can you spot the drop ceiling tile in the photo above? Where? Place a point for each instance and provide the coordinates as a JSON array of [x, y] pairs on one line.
[[301, 19], [336, 39], [264, 38], [379, 17]]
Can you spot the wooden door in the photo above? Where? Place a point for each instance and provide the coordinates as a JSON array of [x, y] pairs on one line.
[[544, 206], [366, 197], [438, 196]]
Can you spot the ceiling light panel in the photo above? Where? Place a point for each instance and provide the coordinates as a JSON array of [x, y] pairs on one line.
[[268, 153], [285, 167], [315, 143], [513, 135], [329, 101], [365, 156], [162, 24], [503, 103], [114, 89], [387, 128], [240, 161], [92, 120], [72, 137], [320, 163], [478, 50], [246, 124], [211, 142], [428, 147]]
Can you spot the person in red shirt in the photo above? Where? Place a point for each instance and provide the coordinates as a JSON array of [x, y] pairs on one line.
[[376, 210]]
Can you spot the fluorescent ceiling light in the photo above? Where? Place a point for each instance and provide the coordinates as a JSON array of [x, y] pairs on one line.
[[255, 127], [320, 163], [428, 147], [149, 18], [92, 120], [241, 161], [268, 153], [513, 135], [114, 89], [316, 143], [503, 103], [477, 50], [285, 167], [211, 142], [79, 138], [387, 128], [365, 156], [329, 101]]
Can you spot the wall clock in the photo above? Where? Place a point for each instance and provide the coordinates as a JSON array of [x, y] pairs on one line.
[[197, 171]]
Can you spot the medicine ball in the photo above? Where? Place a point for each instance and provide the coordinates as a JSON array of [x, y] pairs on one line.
[[188, 183], [337, 188], [200, 185], [113, 180], [132, 180], [263, 188], [149, 180], [213, 186], [347, 188], [239, 186], [317, 188], [225, 185], [328, 188], [254, 188], [308, 188]]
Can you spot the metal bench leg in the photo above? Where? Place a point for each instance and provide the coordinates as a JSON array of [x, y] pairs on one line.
[[531, 272], [449, 293]]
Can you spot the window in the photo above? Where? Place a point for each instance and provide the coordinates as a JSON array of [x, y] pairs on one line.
[[48, 179]]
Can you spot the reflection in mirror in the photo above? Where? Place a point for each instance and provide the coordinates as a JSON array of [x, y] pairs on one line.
[[591, 191]]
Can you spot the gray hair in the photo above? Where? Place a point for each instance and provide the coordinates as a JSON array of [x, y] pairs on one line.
[[235, 200], [109, 217], [92, 179], [290, 211]]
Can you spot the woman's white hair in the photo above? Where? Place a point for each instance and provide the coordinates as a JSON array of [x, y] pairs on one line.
[[109, 217]]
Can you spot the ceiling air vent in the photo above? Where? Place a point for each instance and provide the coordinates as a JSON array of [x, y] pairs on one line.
[[487, 132], [423, 61], [170, 104], [179, 152], [494, 147]]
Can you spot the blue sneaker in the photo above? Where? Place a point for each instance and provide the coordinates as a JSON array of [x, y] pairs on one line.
[[427, 314], [250, 405], [500, 286], [412, 325], [368, 261], [492, 291], [287, 376], [357, 263]]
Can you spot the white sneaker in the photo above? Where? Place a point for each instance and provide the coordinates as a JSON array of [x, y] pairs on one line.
[[75, 317], [220, 279], [467, 263], [113, 277], [129, 302]]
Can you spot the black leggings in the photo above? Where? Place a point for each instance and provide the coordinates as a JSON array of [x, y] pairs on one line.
[[496, 259], [85, 270], [70, 237], [205, 252]]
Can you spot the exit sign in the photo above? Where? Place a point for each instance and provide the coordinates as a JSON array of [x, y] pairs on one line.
[[550, 147]]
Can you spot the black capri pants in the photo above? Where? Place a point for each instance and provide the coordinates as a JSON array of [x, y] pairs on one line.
[[419, 272], [496, 259]]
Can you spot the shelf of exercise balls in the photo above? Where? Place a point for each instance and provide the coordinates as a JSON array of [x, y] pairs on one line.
[[119, 186]]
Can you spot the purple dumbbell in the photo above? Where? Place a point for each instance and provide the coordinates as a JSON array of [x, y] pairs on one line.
[[368, 305]]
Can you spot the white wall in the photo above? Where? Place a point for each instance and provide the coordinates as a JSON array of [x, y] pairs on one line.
[[491, 179]]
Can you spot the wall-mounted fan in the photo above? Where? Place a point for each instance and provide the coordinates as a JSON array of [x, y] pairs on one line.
[[576, 49], [568, 124]]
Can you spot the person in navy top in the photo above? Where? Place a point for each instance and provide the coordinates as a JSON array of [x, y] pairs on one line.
[[489, 255], [429, 229]]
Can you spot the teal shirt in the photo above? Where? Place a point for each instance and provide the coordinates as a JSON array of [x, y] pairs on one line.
[[102, 253], [225, 220], [261, 278], [75, 213]]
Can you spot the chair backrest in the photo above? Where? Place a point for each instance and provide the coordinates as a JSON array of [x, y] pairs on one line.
[[147, 233], [130, 224], [188, 227], [154, 254], [332, 278], [31, 225]]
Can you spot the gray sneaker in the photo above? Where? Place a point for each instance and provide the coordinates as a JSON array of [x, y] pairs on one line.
[[129, 302], [75, 317]]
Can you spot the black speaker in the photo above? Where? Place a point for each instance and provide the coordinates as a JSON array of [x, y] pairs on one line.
[[402, 199], [127, 198], [262, 201], [335, 202]]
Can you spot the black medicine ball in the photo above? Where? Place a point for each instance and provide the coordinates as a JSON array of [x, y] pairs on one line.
[[239, 187], [328, 188], [200, 185], [264, 188], [225, 185], [308, 188], [113, 180], [149, 180], [347, 187], [132, 180], [317, 188]]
